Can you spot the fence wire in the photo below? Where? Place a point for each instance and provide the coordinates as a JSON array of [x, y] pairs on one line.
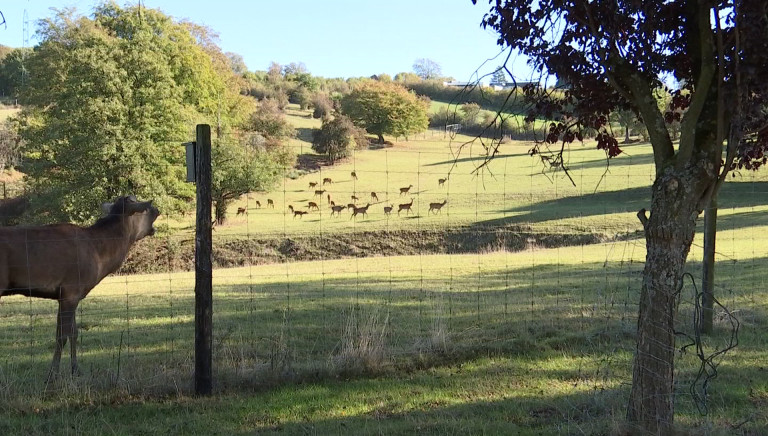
[[512, 261]]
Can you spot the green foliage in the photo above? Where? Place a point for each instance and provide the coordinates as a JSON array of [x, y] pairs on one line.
[[323, 106], [487, 98], [385, 108], [336, 139], [269, 120], [471, 111], [12, 72], [110, 100], [499, 77]]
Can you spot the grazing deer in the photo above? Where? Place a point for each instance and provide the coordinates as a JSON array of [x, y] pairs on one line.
[[242, 211], [319, 192], [363, 210], [437, 207], [354, 197], [405, 190], [374, 196], [258, 204], [388, 209], [312, 205], [405, 206], [270, 203], [312, 185], [337, 209], [354, 175], [441, 182], [299, 213], [327, 181]]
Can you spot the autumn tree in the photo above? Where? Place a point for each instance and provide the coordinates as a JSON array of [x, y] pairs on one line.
[[427, 69], [337, 138], [385, 108], [613, 55]]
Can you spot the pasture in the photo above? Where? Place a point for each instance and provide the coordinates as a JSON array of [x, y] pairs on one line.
[[535, 340]]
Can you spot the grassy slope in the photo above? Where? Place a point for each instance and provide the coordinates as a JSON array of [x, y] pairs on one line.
[[535, 342]]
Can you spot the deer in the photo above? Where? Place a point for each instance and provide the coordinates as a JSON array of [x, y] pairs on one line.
[[270, 203], [242, 211], [319, 192], [405, 206], [351, 206], [337, 209], [297, 213], [64, 262], [374, 196], [354, 197], [312, 205], [354, 175], [437, 207], [363, 210], [258, 204], [312, 185], [405, 190], [388, 209], [327, 181], [441, 182]]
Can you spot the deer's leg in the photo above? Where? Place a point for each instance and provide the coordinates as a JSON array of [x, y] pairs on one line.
[[61, 340], [66, 329]]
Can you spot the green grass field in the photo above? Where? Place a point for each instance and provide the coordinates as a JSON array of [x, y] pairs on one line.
[[538, 341]]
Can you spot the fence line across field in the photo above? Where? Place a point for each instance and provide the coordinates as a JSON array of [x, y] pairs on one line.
[[356, 302]]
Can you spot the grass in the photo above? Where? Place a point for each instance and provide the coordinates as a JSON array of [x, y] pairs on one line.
[[7, 111], [537, 341]]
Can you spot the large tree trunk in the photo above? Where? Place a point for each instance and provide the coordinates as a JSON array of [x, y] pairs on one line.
[[708, 267], [669, 233], [220, 209]]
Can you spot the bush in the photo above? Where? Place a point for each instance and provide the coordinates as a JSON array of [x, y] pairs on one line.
[[323, 106], [337, 138]]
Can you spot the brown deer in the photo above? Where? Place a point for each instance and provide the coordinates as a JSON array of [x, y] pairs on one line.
[[374, 196], [312, 205], [242, 211], [270, 203], [437, 207], [65, 262], [354, 197], [405, 190], [329, 199], [360, 210], [327, 181], [312, 185], [441, 182], [319, 192], [337, 209], [405, 206], [388, 209], [354, 175], [297, 213], [258, 204]]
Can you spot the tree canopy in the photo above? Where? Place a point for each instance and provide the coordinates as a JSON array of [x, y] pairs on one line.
[[385, 108], [613, 56], [110, 98]]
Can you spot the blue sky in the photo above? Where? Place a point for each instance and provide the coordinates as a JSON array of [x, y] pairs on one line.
[[334, 38]]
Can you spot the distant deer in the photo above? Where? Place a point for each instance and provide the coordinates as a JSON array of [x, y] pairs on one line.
[[441, 182], [388, 209], [354, 197], [297, 213], [354, 175], [312, 184], [270, 203], [242, 211], [374, 196], [363, 210], [405, 206], [405, 190], [437, 207], [312, 205], [319, 192], [337, 209], [329, 199], [351, 206], [327, 181], [258, 204]]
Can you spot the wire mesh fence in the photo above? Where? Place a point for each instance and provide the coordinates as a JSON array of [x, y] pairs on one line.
[[444, 263]]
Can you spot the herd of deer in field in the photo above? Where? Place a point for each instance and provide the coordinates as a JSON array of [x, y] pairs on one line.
[[321, 192]]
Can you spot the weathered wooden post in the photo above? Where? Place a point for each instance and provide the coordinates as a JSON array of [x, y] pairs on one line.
[[203, 264]]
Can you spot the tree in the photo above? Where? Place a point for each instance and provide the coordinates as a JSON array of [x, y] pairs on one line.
[[336, 138], [499, 77], [385, 108], [236, 63], [12, 72], [269, 120], [612, 54], [471, 112], [427, 69], [110, 98]]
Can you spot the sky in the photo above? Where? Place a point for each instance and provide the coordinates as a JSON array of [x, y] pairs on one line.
[[333, 38]]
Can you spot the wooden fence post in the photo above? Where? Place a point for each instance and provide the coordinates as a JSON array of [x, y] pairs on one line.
[[203, 265]]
